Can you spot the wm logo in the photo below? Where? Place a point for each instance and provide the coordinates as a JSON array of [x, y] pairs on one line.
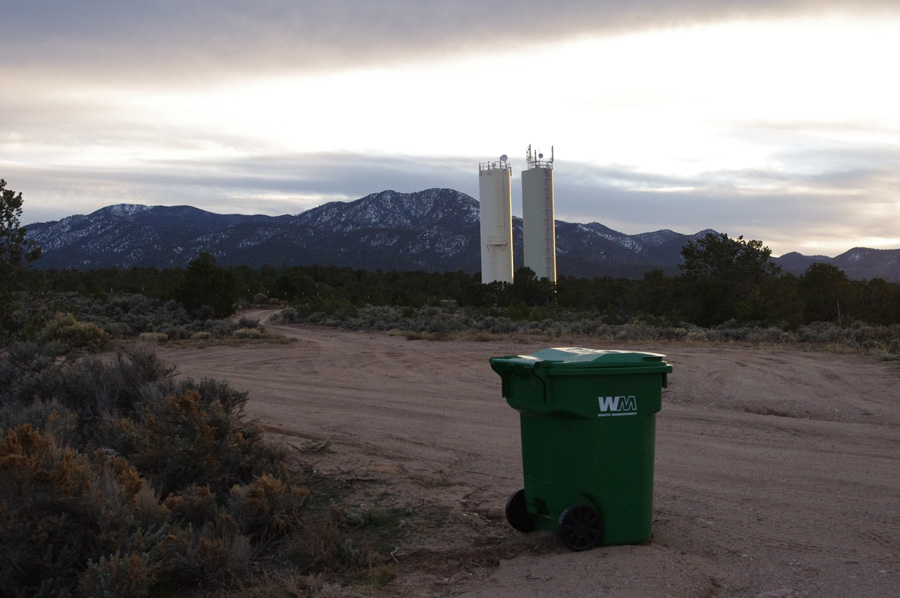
[[620, 405]]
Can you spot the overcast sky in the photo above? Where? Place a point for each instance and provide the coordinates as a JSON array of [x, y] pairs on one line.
[[778, 120]]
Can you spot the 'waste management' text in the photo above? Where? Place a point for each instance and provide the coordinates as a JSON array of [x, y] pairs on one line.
[[622, 405]]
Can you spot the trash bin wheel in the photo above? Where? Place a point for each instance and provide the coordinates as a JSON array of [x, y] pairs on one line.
[[580, 527], [517, 513]]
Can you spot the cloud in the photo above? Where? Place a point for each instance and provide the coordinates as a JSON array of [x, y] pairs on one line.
[[266, 107], [168, 40]]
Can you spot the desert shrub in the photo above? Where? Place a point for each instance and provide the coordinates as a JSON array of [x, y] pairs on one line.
[[94, 390], [50, 419], [154, 337], [186, 439], [248, 323], [134, 405], [215, 391], [247, 333], [69, 520], [286, 316], [858, 336], [268, 507], [217, 328], [195, 505], [892, 351], [438, 323], [22, 361], [173, 441], [95, 525], [321, 545], [74, 334], [131, 574], [201, 336], [176, 332], [214, 555], [819, 333], [120, 315]]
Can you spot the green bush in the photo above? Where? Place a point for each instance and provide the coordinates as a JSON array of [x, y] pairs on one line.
[[74, 334]]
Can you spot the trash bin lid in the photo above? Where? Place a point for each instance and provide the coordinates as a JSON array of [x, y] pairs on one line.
[[568, 358]]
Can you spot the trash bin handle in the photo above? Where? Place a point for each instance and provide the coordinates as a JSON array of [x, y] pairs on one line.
[[604, 371]]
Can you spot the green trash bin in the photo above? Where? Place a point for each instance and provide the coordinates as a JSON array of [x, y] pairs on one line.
[[588, 421]]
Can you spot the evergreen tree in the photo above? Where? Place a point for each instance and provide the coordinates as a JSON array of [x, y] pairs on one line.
[[725, 278], [207, 290], [15, 250], [826, 293]]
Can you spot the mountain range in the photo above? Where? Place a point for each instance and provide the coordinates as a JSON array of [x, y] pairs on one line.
[[432, 230]]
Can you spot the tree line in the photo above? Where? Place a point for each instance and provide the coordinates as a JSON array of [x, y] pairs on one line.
[[721, 280]]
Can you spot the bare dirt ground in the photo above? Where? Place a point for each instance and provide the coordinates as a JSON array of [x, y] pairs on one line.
[[777, 471]]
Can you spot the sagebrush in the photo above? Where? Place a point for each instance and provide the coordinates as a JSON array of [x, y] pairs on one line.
[[118, 479]]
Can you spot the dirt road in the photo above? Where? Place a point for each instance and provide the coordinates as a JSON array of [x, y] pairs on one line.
[[777, 471]]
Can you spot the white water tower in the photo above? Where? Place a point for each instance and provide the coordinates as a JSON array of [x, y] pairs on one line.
[[538, 223], [495, 198]]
